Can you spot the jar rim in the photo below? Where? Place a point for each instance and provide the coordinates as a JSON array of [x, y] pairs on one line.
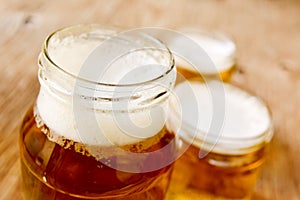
[[230, 143], [116, 30]]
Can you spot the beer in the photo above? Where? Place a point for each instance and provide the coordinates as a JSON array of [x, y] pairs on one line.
[[224, 164], [65, 169], [97, 130], [236, 181], [217, 47], [191, 74]]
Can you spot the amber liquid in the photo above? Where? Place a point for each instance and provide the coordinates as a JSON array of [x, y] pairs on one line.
[[189, 74], [222, 176], [66, 171]]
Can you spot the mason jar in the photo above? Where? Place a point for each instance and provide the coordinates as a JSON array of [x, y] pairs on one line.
[[226, 132], [216, 46], [97, 128]]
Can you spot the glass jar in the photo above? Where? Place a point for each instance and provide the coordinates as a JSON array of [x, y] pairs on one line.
[[97, 129], [218, 47], [226, 138]]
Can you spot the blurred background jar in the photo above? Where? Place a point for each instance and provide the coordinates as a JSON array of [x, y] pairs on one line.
[[226, 132], [220, 49]]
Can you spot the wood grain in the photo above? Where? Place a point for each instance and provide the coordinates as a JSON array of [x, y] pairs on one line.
[[268, 42]]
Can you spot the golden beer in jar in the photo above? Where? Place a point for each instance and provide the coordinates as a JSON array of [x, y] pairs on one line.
[[219, 48], [224, 163], [90, 135]]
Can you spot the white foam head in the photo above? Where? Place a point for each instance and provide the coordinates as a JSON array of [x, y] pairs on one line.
[[246, 120], [219, 48], [142, 116]]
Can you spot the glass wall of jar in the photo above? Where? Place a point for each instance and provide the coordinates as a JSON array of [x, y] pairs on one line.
[[228, 134], [97, 129]]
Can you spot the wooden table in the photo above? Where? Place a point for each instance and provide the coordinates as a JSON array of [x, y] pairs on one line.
[[267, 34]]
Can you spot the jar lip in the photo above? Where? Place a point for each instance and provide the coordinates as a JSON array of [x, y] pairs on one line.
[[234, 145], [117, 30]]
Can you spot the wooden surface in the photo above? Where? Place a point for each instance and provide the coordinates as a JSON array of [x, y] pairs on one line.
[[267, 34]]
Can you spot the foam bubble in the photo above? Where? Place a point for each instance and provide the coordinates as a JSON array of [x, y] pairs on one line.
[[246, 117], [104, 128]]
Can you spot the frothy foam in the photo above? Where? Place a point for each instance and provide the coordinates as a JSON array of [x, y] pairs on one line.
[[103, 128], [246, 118], [220, 50], [71, 52]]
